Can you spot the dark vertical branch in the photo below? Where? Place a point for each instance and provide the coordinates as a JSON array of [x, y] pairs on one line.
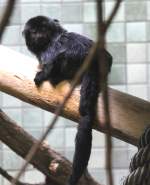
[[112, 15], [5, 18], [103, 69], [102, 29], [99, 18]]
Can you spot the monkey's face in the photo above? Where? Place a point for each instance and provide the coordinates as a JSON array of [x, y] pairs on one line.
[[38, 32]]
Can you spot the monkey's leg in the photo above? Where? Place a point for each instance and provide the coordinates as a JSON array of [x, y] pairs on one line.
[[88, 105]]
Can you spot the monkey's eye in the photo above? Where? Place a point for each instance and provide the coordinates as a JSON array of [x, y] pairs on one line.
[[55, 20]]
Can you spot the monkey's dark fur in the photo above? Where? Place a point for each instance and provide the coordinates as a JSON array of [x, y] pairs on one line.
[[61, 54]]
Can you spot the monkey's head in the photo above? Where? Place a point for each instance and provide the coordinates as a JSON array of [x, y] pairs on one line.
[[39, 31]]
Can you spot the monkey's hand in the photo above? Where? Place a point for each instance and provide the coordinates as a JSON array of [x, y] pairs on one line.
[[39, 78], [43, 75]]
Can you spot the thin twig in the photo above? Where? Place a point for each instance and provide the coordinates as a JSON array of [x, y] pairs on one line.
[[5, 18], [113, 14], [103, 66], [35, 147], [102, 29], [106, 102]]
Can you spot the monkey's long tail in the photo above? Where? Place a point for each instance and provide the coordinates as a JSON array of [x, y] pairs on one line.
[[88, 105]]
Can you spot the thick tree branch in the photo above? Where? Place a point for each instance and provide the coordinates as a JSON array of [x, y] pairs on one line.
[[129, 115], [21, 142]]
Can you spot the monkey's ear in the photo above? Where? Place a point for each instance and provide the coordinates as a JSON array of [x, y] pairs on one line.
[[25, 30]]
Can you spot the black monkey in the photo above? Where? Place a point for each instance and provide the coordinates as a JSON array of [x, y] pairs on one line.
[[60, 54]]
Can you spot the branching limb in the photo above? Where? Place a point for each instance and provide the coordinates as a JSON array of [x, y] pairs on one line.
[[103, 69], [112, 15], [46, 160]]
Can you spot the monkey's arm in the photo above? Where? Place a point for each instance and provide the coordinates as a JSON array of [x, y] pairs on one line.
[[43, 74], [49, 60]]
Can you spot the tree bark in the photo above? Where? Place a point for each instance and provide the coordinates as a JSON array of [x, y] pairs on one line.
[[129, 114], [49, 162]]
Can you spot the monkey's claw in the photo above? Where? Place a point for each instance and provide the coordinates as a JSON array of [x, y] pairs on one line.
[[38, 79], [37, 82]]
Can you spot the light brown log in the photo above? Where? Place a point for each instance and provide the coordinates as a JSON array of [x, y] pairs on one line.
[[49, 162], [129, 114]]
